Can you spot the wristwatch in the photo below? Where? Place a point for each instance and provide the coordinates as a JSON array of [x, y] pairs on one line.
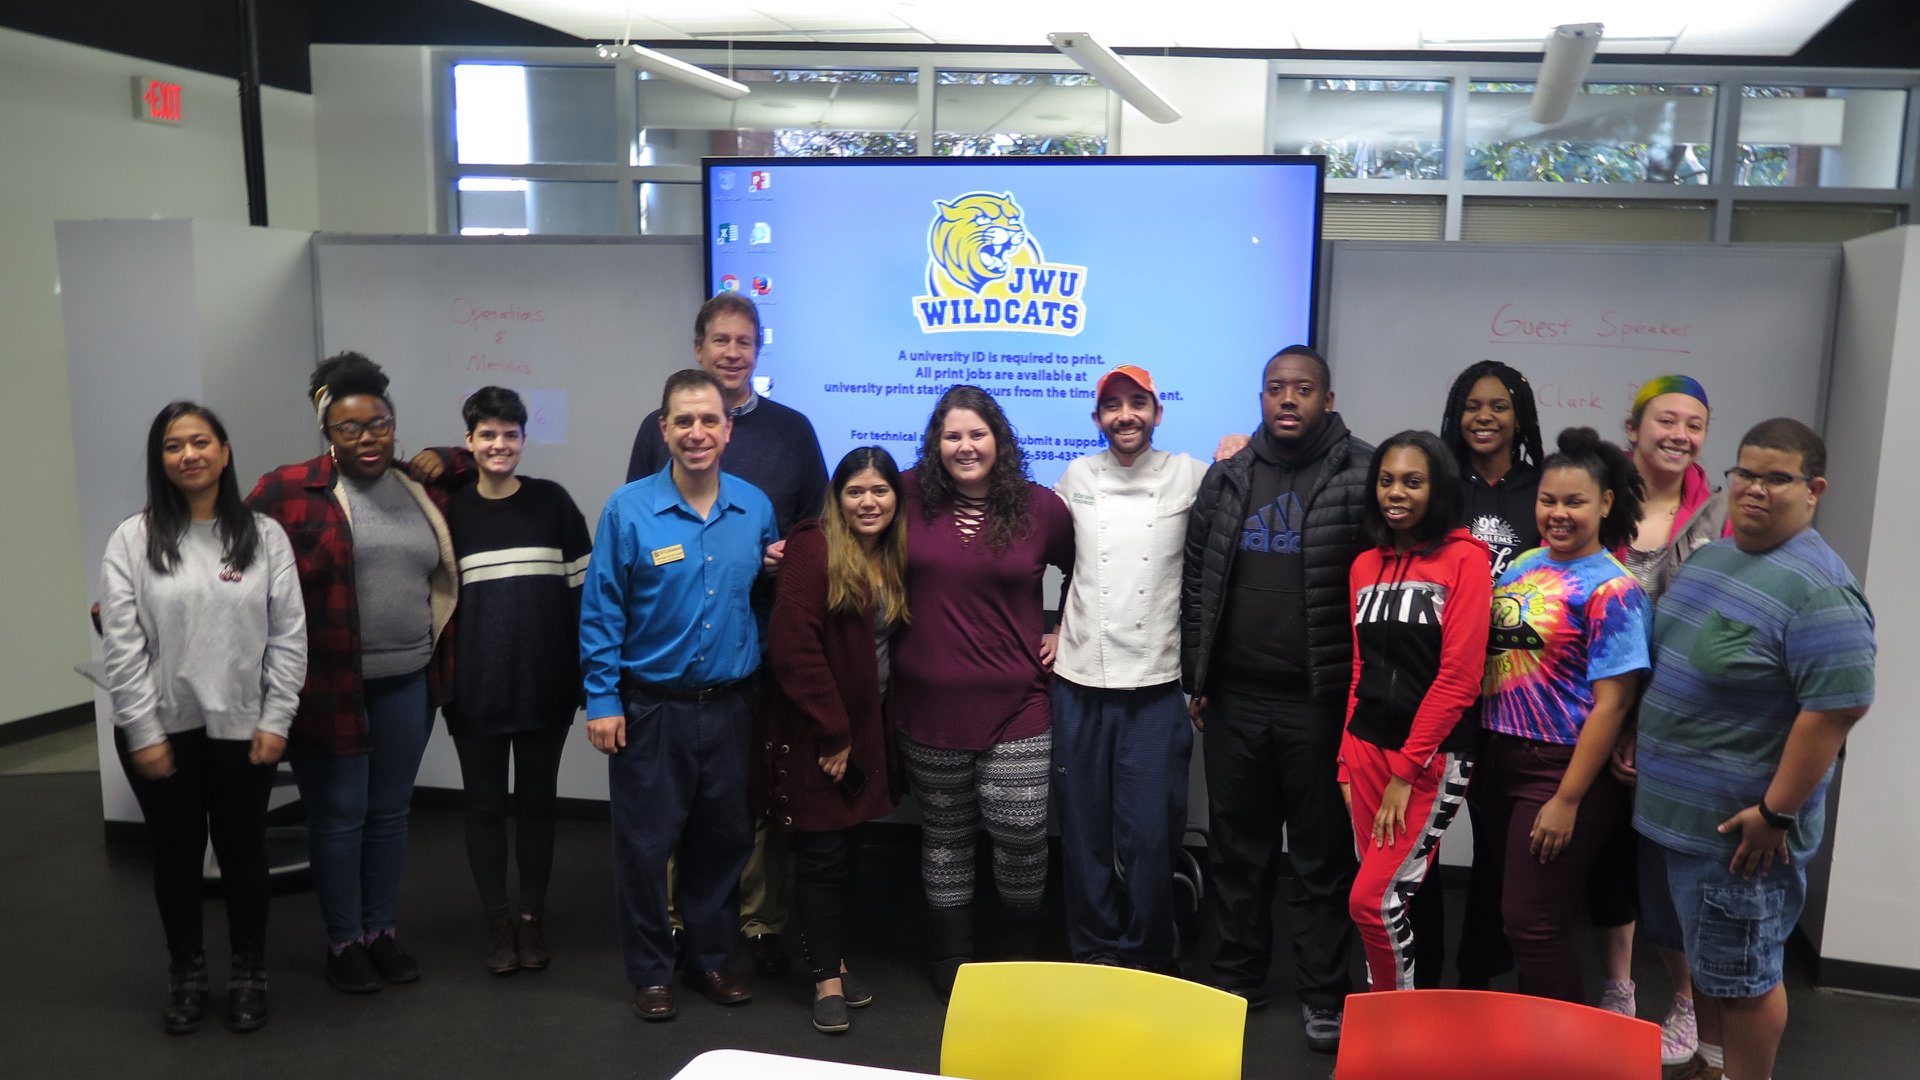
[[1774, 818]]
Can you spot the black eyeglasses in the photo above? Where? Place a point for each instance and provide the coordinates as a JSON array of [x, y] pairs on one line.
[[352, 429], [1772, 481]]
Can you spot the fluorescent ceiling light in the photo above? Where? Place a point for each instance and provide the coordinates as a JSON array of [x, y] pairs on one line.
[[1116, 75], [666, 67], [1569, 53]]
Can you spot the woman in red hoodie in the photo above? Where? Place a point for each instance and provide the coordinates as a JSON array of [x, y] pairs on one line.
[[1421, 601]]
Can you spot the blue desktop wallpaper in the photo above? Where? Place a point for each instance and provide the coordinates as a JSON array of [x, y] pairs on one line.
[[881, 283]]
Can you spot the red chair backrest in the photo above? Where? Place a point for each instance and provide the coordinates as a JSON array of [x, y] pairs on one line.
[[1483, 1035]]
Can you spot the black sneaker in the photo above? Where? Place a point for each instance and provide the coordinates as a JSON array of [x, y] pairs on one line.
[[1322, 1027], [351, 971], [393, 964]]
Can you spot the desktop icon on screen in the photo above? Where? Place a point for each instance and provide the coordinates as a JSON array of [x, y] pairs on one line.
[[762, 285], [762, 233], [726, 233], [725, 180], [729, 283], [759, 181], [766, 336]]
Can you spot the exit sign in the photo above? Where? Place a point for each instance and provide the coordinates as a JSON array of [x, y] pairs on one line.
[[156, 101]]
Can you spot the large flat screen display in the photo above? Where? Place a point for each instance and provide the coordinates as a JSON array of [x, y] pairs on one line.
[[882, 282]]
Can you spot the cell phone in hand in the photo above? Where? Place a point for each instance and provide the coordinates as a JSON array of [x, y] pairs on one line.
[[853, 780]]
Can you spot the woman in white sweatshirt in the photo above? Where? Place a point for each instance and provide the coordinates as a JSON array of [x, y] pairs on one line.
[[205, 650]]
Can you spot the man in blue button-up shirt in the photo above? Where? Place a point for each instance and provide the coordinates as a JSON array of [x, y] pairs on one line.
[[668, 643]]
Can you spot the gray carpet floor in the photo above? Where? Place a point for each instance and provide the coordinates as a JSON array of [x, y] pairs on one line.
[[87, 978]]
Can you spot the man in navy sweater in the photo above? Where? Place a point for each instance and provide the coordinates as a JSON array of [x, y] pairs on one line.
[[773, 448]]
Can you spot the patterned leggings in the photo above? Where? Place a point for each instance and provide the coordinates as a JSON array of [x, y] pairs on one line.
[[1005, 786]]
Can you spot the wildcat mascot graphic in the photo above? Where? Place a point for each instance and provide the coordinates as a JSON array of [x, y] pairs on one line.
[[986, 272]]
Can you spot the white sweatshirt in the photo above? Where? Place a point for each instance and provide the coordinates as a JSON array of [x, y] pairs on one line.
[[203, 646]]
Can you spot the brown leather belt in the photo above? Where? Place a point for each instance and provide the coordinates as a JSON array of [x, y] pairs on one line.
[[698, 695]]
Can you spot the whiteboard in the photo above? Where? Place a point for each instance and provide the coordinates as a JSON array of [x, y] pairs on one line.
[[1587, 324], [586, 331]]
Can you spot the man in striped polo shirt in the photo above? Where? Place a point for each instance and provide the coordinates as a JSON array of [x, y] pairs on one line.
[[1763, 661]]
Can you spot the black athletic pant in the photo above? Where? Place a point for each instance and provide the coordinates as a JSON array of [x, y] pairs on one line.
[[213, 792], [1271, 762], [824, 864], [536, 776]]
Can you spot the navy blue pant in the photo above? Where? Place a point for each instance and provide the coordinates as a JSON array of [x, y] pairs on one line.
[[679, 786], [1120, 791], [357, 811]]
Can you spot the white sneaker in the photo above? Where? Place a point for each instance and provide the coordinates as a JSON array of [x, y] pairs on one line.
[[1679, 1033], [1617, 997]]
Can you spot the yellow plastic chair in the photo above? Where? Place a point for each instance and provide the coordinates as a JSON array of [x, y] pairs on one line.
[[1046, 1021]]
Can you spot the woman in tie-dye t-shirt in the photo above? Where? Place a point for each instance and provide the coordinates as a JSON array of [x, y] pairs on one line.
[[1565, 657]]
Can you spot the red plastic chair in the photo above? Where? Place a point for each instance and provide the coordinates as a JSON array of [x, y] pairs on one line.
[[1483, 1035]]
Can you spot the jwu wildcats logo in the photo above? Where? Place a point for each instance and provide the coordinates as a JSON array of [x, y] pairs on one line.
[[986, 272]]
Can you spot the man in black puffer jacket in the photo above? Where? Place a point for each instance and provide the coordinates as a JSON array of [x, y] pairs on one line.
[[1266, 653]]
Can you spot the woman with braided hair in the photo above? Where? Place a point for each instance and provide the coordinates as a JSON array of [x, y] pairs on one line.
[[378, 573]]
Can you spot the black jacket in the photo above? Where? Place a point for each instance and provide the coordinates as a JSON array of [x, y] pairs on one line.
[[1334, 534]]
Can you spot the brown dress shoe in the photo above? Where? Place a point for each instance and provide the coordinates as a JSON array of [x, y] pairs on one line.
[[720, 987], [654, 1003]]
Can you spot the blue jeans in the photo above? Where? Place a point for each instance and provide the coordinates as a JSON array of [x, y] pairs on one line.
[[357, 811], [1735, 929], [1120, 787]]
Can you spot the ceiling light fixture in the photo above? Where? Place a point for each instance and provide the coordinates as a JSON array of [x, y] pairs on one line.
[[1570, 52], [1116, 75], [661, 65]]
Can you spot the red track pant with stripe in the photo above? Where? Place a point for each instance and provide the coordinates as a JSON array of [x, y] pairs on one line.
[[1390, 875]]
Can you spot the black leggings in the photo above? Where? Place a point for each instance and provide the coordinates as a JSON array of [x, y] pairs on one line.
[[824, 865], [536, 776], [213, 792]]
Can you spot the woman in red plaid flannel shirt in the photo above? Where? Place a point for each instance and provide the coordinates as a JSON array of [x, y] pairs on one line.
[[378, 572]]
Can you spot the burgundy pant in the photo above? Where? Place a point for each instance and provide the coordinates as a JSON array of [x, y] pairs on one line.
[[1514, 779]]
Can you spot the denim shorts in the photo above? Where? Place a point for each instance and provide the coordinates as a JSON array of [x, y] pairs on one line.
[[1734, 929]]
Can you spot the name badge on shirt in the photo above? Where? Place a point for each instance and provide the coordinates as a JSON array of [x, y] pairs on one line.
[[665, 555]]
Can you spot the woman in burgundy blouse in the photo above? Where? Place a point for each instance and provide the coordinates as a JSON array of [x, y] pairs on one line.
[[829, 760], [970, 674]]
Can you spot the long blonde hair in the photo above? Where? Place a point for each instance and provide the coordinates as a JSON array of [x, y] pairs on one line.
[[855, 578]]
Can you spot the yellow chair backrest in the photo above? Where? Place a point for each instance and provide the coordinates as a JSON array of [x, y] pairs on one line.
[[1045, 1021]]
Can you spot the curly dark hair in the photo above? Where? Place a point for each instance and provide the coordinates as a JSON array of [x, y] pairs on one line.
[[1008, 517], [1526, 446], [344, 375], [1582, 448]]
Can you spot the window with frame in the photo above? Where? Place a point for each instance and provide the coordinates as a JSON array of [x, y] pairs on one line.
[[1613, 133], [792, 112], [1368, 129], [1820, 136], [999, 113]]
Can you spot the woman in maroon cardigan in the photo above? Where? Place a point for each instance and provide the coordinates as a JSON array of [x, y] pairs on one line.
[[828, 755]]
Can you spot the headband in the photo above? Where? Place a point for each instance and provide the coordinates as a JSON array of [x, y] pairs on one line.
[[322, 401], [1669, 384]]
